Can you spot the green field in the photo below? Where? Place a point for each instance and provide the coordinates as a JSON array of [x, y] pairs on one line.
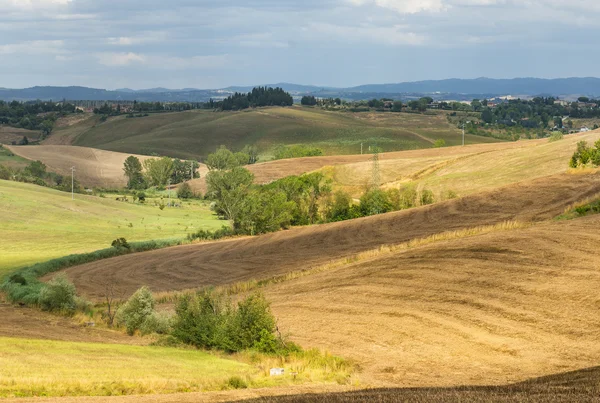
[[58, 368], [8, 159], [195, 134], [39, 224]]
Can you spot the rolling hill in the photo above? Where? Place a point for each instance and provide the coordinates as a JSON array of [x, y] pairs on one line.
[[475, 305], [195, 134], [93, 167], [40, 224]]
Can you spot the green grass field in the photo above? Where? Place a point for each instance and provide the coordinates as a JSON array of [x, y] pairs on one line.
[[39, 224], [8, 159], [195, 134], [58, 368]]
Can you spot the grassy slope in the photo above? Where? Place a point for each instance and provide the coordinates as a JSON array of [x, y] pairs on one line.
[[39, 224], [8, 159], [197, 133], [80, 369]]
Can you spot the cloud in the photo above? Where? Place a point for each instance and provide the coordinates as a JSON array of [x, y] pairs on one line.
[[34, 48], [403, 6], [119, 59], [36, 4], [142, 38], [393, 35]]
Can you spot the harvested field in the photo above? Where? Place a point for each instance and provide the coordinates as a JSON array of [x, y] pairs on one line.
[[575, 386], [489, 309], [465, 170], [94, 168], [29, 323], [243, 259], [9, 134]]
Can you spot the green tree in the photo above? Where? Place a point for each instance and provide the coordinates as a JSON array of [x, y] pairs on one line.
[[183, 170], [252, 152], [439, 143], [184, 191], [340, 208], [134, 173], [375, 201], [158, 171], [397, 106], [229, 189], [223, 159], [37, 169], [487, 116], [265, 210]]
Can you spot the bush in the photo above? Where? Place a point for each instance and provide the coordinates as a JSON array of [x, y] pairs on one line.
[[156, 322], [138, 308], [120, 243], [236, 382], [17, 278], [439, 143], [426, 197], [208, 320], [185, 191], [58, 295], [205, 235]]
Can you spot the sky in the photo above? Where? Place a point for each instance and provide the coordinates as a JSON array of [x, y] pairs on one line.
[[214, 44]]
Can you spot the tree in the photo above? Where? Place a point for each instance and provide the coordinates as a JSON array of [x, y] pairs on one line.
[[46, 126], [265, 210], [558, 122], [308, 100], [133, 171], [37, 169], [487, 116], [222, 159], [583, 99], [476, 105], [397, 106], [375, 201], [252, 152], [185, 191], [183, 170], [229, 189], [158, 171], [340, 207]]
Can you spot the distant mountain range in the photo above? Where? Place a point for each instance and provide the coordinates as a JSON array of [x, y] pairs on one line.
[[456, 89]]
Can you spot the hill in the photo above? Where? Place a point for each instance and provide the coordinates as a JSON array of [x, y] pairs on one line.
[[226, 262], [39, 224], [464, 170], [93, 168], [453, 88], [195, 134], [475, 305]]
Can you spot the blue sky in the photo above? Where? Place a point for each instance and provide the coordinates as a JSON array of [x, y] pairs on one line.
[[212, 44]]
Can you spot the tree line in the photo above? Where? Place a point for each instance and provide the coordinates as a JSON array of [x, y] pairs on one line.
[[296, 200], [258, 97], [34, 115]]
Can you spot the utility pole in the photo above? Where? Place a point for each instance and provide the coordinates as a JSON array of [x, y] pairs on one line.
[[463, 138], [361, 148], [72, 183]]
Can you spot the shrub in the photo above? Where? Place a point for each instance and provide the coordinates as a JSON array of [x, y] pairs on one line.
[[58, 295], [426, 197], [439, 143], [17, 278], [5, 173], [120, 243], [449, 195], [185, 191], [205, 235], [408, 197], [156, 322], [138, 308], [236, 382], [208, 320]]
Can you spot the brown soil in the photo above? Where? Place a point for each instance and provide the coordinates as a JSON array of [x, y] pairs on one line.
[[490, 309], [31, 323], [243, 259]]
